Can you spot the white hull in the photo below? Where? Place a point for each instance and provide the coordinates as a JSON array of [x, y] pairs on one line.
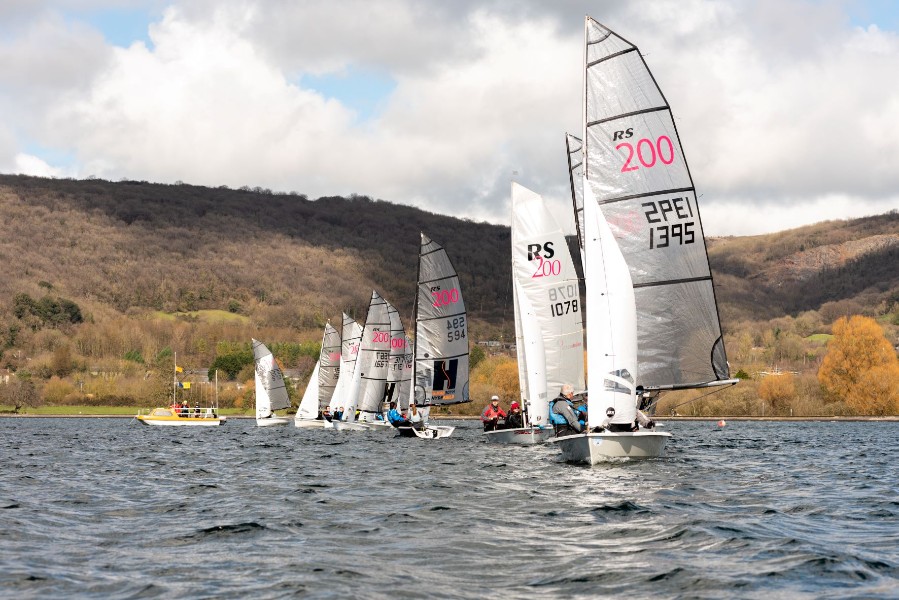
[[271, 421], [310, 423], [520, 435], [593, 448], [434, 431], [379, 425], [181, 422], [347, 426]]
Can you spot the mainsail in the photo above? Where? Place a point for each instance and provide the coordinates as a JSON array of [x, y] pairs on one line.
[[441, 330], [635, 166], [546, 286], [370, 375], [349, 352], [271, 393], [324, 376], [396, 372]]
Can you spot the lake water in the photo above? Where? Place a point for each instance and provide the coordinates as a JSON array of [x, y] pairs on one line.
[[109, 508]]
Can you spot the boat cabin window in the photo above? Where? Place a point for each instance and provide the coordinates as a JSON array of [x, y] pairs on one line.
[[162, 412]]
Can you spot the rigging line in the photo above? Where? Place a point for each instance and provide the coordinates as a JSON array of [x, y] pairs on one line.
[[714, 391]]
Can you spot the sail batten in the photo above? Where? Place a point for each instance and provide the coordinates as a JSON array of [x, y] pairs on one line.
[[441, 352], [635, 164]]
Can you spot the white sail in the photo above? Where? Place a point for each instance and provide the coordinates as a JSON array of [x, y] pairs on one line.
[[612, 334], [638, 175], [271, 393], [441, 330], [370, 376], [329, 365], [349, 352], [544, 270], [397, 365], [532, 356], [308, 408]]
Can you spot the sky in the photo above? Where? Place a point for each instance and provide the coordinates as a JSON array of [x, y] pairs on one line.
[[788, 110]]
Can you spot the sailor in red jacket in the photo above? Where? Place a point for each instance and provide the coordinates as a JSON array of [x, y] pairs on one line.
[[492, 414]]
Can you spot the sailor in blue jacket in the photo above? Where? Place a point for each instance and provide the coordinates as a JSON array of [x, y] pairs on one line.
[[563, 415], [396, 418]]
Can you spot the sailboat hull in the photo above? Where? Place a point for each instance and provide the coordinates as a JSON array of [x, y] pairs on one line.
[[272, 421], [350, 426], [519, 435], [593, 448], [429, 432], [310, 423]]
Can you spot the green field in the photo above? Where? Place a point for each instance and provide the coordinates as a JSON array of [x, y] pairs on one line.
[[820, 337], [206, 316]]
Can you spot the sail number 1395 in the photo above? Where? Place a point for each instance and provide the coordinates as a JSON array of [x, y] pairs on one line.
[[672, 228]]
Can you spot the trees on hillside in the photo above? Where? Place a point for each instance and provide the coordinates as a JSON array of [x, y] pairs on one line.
[[861, 367]]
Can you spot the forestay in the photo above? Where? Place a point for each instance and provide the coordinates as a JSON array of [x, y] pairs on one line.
[[441, 330], [637, 171]]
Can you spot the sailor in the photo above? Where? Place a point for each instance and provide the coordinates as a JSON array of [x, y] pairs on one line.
[[562, 413], [514, 420], [415, 418], [396, 418], [492, 414]]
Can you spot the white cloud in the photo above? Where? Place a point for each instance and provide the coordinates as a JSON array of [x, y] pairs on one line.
[[797, 112]]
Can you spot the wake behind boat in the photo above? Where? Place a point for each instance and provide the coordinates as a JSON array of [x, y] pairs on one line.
[[653, 319]]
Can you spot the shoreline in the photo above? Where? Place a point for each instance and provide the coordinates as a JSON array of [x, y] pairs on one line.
[[890, 419]]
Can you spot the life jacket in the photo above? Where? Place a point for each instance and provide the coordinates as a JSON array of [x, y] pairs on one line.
[[554, 417]]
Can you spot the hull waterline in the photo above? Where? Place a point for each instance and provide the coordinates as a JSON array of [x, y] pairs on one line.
[[519, 435], [593, 448]]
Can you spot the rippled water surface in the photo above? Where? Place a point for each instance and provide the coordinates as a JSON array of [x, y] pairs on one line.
[[109, 508]]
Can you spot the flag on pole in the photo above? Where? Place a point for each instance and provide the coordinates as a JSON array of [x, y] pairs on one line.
[[178, 369]]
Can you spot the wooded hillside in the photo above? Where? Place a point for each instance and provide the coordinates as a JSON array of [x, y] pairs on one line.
[[104, 277]]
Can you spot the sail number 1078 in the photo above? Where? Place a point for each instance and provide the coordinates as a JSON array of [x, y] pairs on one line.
[[672, 228]]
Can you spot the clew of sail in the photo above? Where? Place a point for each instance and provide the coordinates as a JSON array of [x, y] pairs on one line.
[[441, 330], [271, 393], [635, 166], [547, 290]]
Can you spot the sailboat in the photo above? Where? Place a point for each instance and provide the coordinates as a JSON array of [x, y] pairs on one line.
[[399, 369], [321, 383], [440, 363], [181, 415], [271, 393], [366, 387], [549, 328], [652, 314], [351, 338]]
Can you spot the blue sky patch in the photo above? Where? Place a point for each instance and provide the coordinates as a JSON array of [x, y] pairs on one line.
[[121, 27], [364, 91]]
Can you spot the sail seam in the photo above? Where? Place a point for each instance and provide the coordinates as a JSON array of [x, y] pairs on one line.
[[441, 357], [673, 281], [441, 317], [630, 114], [646, 195], [609, 57]]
